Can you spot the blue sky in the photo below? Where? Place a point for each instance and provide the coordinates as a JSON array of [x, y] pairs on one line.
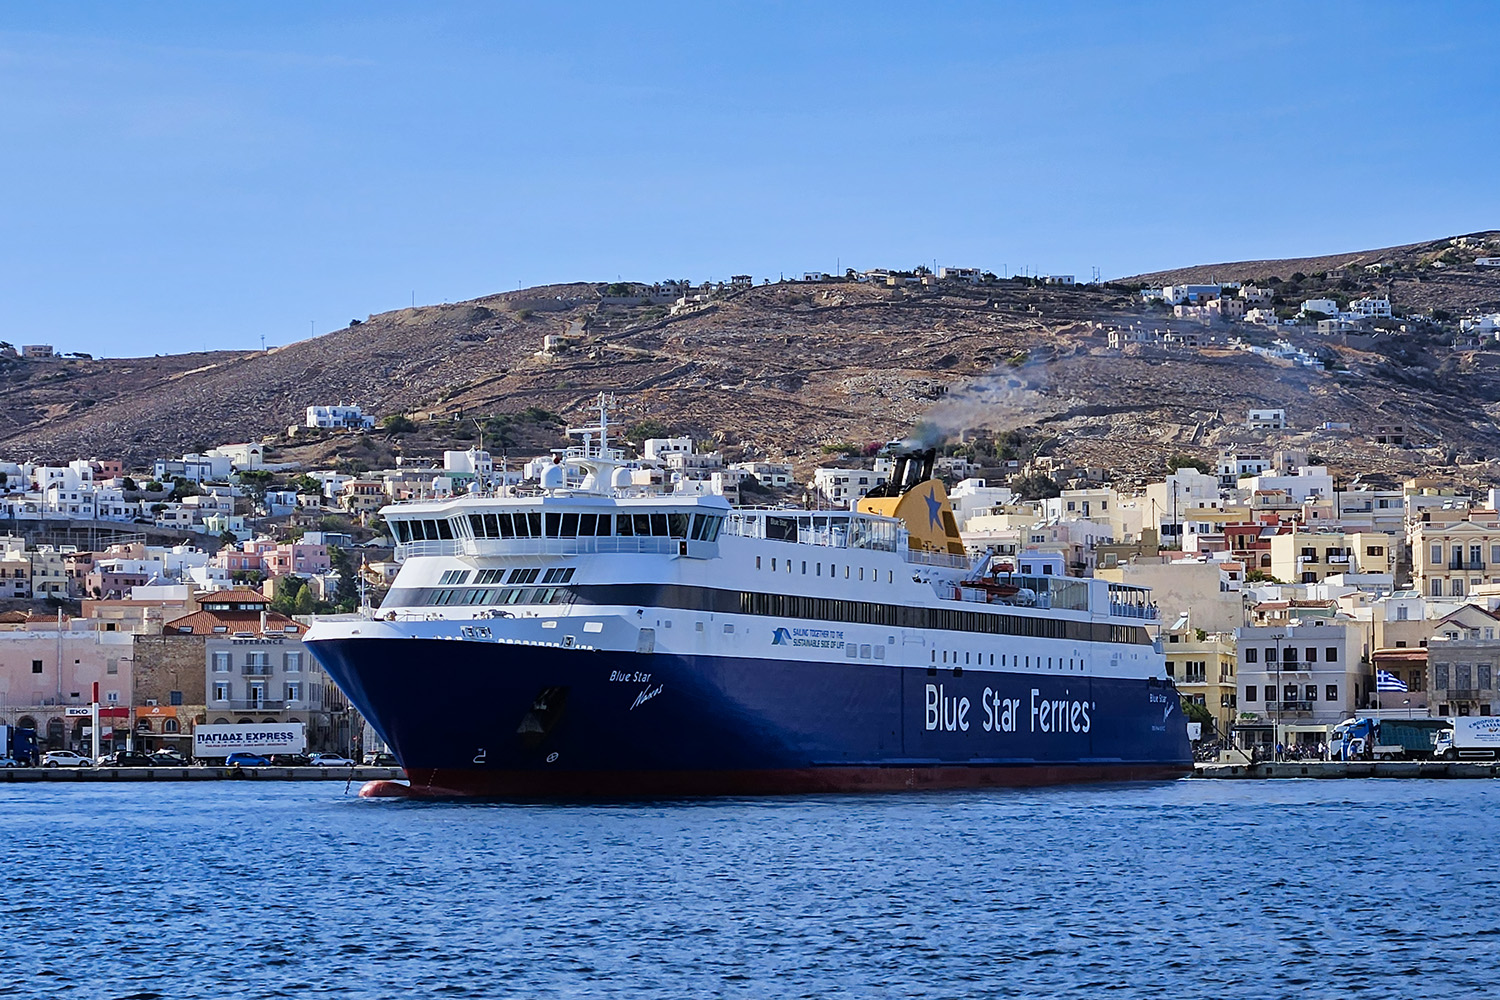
[[182, 176]]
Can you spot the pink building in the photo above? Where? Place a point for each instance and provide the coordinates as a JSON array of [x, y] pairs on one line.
[[42, 673], [276, 559], [295, 557], [240, 560]]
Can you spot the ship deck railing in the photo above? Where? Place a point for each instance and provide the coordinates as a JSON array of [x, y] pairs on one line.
[[1062, 593], [944, 559], [835, 529], [1041, 602], [1147, 612]]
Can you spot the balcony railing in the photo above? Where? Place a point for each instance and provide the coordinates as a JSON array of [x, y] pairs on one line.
[[256, 704], [256, 670], [1464, 694], [1286, 707]]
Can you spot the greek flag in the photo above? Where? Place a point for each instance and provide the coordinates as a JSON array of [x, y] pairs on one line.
[[1387, 681]]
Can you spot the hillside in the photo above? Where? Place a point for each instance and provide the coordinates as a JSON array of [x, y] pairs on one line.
[[1438, 274], [788, 369]]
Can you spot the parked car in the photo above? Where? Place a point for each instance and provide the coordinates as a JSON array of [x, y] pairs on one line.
[[242, 759], [64, 758], [126, 758], [10, 762], [381, 760], [291, 759], [330, 760], [169, 758]]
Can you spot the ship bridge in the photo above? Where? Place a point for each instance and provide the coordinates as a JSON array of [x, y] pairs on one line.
[[567, 525]]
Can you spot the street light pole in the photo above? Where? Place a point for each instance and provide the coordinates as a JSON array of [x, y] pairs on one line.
[[1280, 698]]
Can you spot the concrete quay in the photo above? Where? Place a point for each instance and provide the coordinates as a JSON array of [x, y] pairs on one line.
[[1350, 769], [358, 774]]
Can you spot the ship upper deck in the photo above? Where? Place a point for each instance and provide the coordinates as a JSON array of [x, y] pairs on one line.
[[568, 524]]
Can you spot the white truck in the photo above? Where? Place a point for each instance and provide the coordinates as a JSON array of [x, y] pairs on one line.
[[218, 742], [1470, 738]]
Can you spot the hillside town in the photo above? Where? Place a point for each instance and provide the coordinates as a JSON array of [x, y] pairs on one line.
[[1282, 591]]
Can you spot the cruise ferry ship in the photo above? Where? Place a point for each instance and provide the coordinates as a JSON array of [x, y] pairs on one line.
[[600, 640]]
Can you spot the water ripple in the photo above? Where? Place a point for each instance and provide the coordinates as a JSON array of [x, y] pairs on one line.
[[1285, 889]]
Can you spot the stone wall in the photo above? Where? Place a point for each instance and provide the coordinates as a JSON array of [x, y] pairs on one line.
[[167, 663]]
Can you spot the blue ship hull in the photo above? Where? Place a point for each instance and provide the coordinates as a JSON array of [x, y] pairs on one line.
[[503, 720]]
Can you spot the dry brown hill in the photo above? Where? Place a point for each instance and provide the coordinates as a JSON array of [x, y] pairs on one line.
[[789, 368], [1437, 274]]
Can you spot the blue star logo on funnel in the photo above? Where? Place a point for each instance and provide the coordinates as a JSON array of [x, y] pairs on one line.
[[933, 508]]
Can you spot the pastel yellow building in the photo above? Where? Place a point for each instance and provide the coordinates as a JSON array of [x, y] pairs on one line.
[[1452, 559], [1202, 665], [1310, 556]]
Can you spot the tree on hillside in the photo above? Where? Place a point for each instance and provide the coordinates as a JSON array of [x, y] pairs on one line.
[[645, 429], [255, 483], [182, 488], [397, 423], [346, 595], [1035, 487], [287, 589], [1177, 462]]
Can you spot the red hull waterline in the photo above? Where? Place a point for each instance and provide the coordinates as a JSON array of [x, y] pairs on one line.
[[436, 783]]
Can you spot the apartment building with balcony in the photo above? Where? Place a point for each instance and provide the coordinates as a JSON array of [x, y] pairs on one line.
[[1452, 559], [1299, 680], [363, 496], [1299, 556], [1399, 621], [1462, 674], [1203, 667], [252, 677]]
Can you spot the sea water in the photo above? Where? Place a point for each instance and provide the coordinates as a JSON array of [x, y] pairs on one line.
[[1185, 889]]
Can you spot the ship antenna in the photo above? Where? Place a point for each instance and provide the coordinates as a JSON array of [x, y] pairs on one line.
[[477, 477], [603, 427]]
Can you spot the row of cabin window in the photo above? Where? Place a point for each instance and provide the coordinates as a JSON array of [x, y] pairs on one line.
[[525, 574], [496, 596], [1006, 660], [832, 569], [902, 616], [553, 524]]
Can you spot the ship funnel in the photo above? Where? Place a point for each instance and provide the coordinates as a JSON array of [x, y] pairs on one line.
[[909, 470], [913, 496]]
